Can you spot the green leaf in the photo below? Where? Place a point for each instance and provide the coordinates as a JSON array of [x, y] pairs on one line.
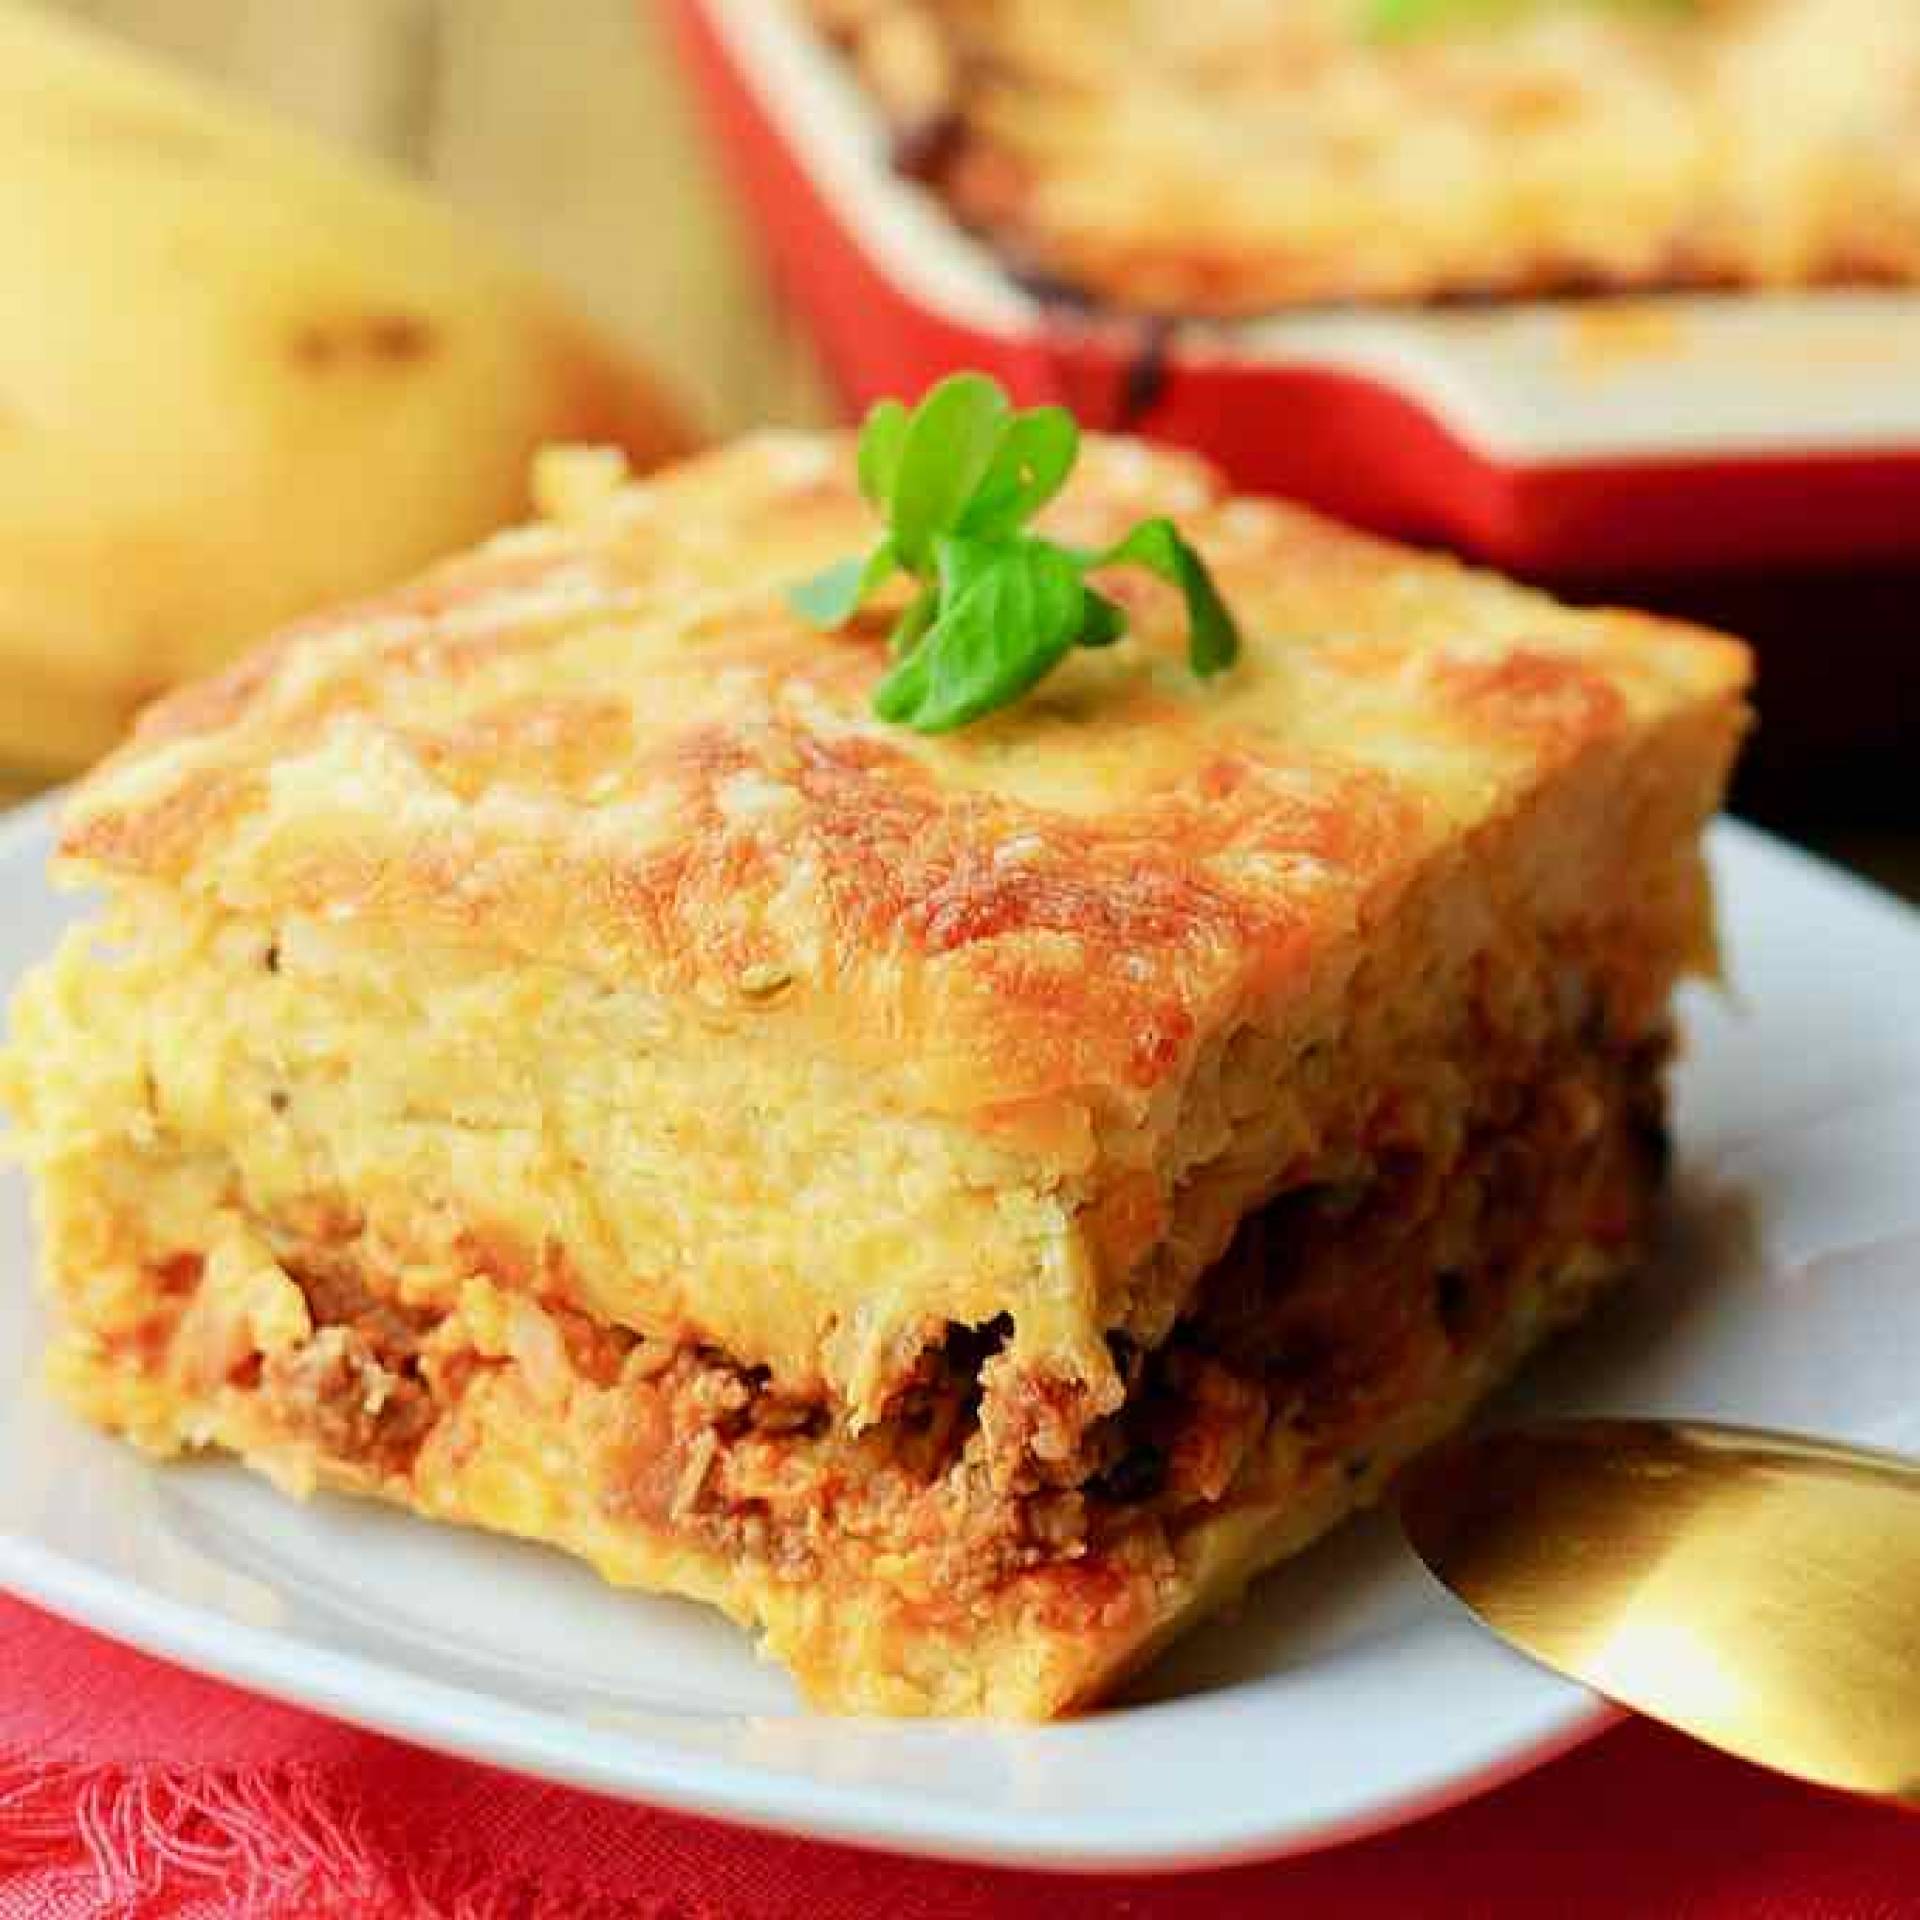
[[1213, 641], [830, 597], [1102, 622], [914, 621], [956, 478], [1392, 17], [1389, 17], [1009, 612], [882, 436], [1030, 466], [947, 447]]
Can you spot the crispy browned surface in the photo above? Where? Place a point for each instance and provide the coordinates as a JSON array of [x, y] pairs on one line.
[[609, 743], [1226, 159]]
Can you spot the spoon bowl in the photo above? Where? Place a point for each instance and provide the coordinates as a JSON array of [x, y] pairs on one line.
[[1756, 1590]]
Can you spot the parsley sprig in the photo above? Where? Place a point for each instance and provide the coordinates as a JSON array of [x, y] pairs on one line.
[[996, 608]]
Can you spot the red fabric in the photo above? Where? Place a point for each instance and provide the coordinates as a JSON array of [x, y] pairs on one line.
[[128, 1788]]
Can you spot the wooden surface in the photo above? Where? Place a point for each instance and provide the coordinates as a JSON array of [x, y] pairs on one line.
[[561, 125]]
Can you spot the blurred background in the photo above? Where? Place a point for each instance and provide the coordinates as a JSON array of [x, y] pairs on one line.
[[568, 130], [565, 126]]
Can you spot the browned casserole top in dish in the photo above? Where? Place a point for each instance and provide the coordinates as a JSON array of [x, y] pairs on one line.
[[1236, 156]]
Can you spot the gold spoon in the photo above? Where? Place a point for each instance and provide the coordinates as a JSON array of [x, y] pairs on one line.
[[1758, 1591]]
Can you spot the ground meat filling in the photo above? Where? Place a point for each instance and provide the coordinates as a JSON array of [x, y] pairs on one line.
[[1342, 1302], [1336, 1304], [357, 1387]]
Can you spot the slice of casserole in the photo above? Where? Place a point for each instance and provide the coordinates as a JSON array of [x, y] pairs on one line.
[[1217, 158], [552, 1058]]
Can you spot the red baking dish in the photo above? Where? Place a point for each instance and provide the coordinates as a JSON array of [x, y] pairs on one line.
[[1575, 439]]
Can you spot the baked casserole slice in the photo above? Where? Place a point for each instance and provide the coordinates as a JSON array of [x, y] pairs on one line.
[[1227, 159], [553, 1059]]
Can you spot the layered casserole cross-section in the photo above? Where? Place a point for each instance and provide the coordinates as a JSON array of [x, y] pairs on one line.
[[550, 1057]]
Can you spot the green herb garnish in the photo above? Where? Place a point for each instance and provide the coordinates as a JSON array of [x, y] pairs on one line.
[[997, 608], [1390, 17]]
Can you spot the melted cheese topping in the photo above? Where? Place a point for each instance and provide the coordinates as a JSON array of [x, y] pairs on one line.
[[608, 744], [1248, 154]]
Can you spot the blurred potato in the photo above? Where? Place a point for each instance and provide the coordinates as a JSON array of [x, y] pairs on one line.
[[240, 376]]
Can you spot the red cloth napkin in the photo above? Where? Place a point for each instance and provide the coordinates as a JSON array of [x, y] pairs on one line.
[[129, 1788]]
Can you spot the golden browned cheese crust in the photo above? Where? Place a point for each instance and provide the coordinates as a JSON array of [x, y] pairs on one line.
[[608, 743], [1255, 154]]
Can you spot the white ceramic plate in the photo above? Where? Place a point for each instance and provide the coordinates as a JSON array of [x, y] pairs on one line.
[[1350, 1694]]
